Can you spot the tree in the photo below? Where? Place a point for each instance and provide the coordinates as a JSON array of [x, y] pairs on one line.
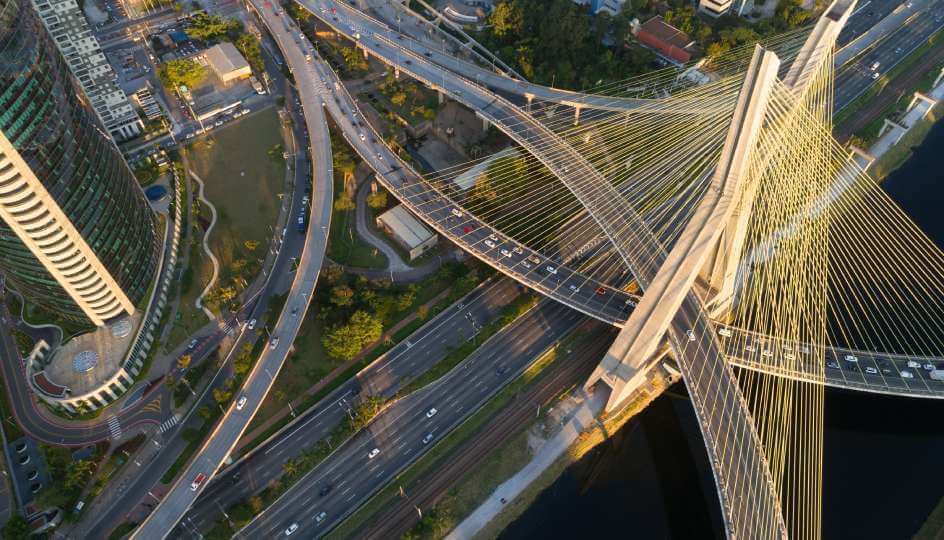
[[332, 274], [211, 27], [16, 528], [222, 395], [184, 361], [398, 98], [422, 312], [205, 413], [77, 473], [248, 45], [405, 300], [342, 295], [181, 72], [346, 341], [364, 412], [507, 19], [290, 467], [255, 502], [354, 59], [344, 202], [377, 200], [251, 245]]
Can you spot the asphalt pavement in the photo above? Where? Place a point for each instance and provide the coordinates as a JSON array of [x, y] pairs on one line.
[[410, 426], [384, 377]]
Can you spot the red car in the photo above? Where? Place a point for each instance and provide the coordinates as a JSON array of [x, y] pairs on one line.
[[601, 291], [467, 229], [197, 481]]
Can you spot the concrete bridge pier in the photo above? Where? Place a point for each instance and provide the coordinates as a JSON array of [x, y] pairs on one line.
[[441, 97], [396, 73], [530, 98]]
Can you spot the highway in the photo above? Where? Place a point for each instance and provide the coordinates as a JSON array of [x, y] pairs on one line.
[[352, 475], [858, 77], [226, 433], [384, 377]]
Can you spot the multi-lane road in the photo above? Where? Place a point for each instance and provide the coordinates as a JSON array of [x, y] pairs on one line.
[[384, 377], [221, 441], [409, 427]]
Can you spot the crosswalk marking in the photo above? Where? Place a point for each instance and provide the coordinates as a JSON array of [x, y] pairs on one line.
[[169, 423], [114, 427]]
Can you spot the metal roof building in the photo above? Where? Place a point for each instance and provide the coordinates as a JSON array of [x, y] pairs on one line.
[[227, 63], [408, 231]]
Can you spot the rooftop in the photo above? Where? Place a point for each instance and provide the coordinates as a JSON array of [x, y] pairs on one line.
[[405, 226], [224, 58]]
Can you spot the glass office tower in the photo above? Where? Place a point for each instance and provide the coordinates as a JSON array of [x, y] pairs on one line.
[[76, 233]]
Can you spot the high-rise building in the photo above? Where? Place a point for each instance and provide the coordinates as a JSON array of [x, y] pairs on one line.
[[76, 233], [717, 8], [71, 31]]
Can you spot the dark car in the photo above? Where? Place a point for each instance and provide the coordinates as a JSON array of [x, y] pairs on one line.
[[324, 490]]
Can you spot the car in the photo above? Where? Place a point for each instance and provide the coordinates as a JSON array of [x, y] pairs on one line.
[[320, 517], [251, 325], [325, 489], [241, 403], [573, 288], [852, 358], [456, 212], [431, 413], [493, 238], [534, 259], [929, 367], [789, 356], [193, 344], [913, 364], [291, 528], [905, 374], [767, 353], [526, 264], [274, 342], [517, 249], [875, 66], [749, 348], [197, 481], [427, 54], [373, 453], [725, 332], [505, 252], [691, 335], [362, 136], [876, 75], [834, 365], [407, 61], [551, 270], [489, 244], [501, 370], [466, 229], [600, 291], [427, 438], [871, 370], [380, 156]]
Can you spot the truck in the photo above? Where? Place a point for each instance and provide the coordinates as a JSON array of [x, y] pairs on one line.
[[937, 375]]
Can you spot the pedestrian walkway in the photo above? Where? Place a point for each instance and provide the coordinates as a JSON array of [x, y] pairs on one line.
[[581, 419], [169, 423], [114, 427]]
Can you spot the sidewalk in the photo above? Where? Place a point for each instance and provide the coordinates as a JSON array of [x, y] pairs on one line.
[[330, 377], [581, 419]]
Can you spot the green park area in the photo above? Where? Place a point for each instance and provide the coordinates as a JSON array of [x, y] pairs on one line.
[[244, 182]]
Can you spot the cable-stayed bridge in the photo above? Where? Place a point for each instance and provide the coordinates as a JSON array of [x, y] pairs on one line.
[[726, 202]]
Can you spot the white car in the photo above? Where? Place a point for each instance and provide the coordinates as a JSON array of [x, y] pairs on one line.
[[362, 136], [905, 374], [749, 348], [431, 413], [691, 335], [251, 325], [725, 332], [493, 238], [551, 270], [197, 481], [851, 358], [506, 253], [274, 342], [871, 370], [291, 528], [489, 244], [427, 438], [526, 264], [456, 213], [913, 364], [573, 288], [929, 367], [241, 403], [320, 517], [518, 250], [767, 353], [373, 453], [789, 356]]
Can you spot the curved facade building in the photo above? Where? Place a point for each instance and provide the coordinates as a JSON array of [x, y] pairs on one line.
[[76, 233]]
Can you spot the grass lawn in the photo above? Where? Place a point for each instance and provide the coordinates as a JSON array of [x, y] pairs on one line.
[[192, 282], [345, 246], [244, 183]]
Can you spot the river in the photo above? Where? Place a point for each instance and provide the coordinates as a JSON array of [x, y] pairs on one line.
[[883, 466]]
